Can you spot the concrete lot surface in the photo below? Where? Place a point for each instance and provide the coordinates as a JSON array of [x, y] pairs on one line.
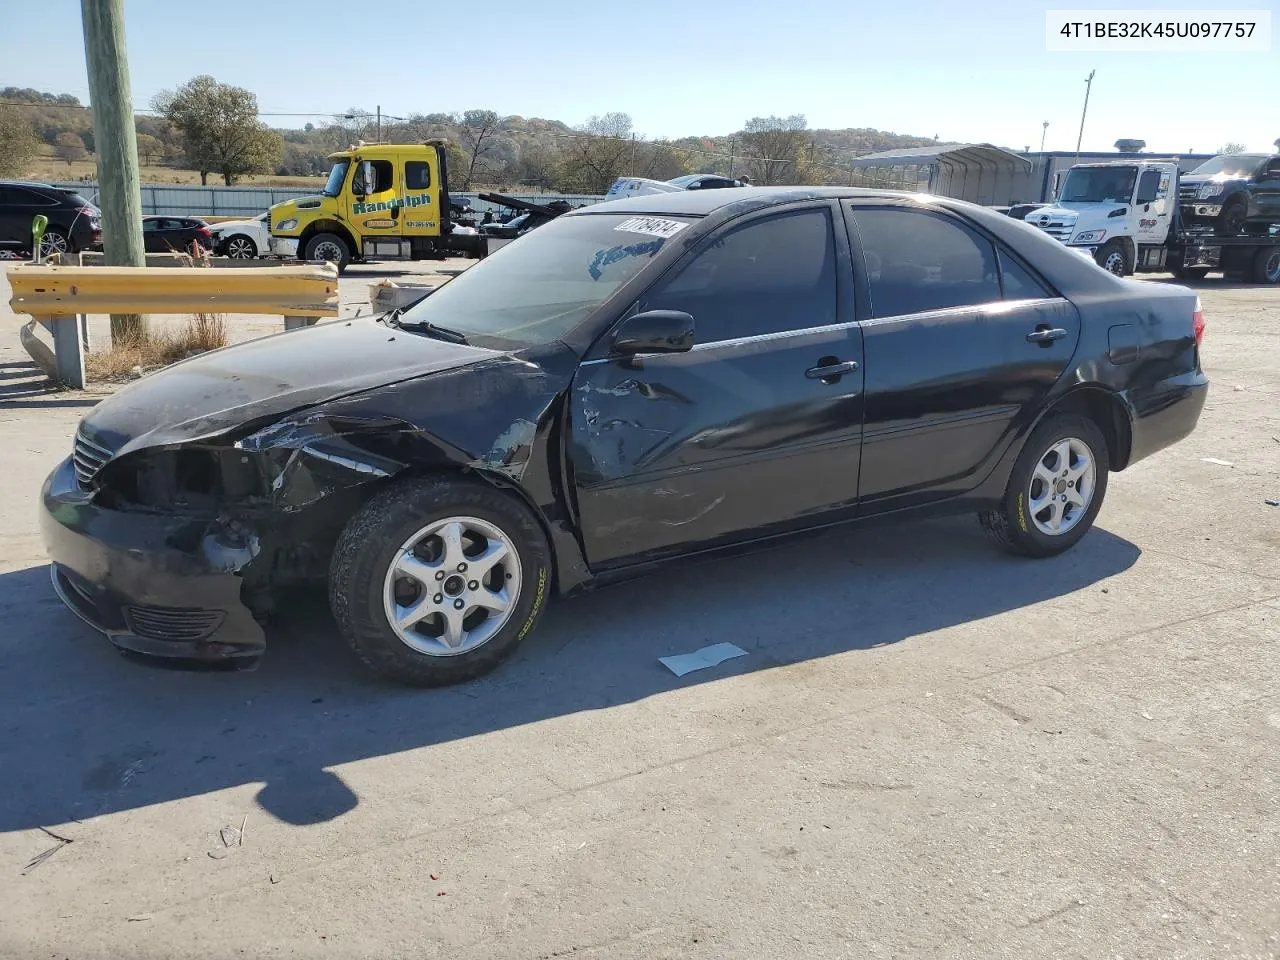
[[930, 750]]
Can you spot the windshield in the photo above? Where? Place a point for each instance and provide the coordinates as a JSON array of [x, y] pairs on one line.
[[333, 186], [1099, 184], [685, 180], [1241, 165], [540, 287]]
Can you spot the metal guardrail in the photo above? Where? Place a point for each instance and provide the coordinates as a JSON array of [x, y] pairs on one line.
[[61, 297]]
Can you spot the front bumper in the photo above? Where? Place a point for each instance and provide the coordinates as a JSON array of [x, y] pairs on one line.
[[163, 586], [1165, 412], [1210, 211], [286, 247]]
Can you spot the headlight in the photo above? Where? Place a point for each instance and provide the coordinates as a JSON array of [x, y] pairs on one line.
[[1089, 236], [1208, 191], [290, 224]]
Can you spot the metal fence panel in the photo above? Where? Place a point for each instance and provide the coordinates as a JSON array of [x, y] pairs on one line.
[[221, 201]]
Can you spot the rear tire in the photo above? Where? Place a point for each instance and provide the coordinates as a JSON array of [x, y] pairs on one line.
[[1266, 266], [1042, 475], [54, 241], [1113, 257], [421, 542], [330, 247]]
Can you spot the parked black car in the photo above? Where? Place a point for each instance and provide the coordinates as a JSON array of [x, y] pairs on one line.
[[74, 222], [634, 383], [175, 234], [1234, 194]]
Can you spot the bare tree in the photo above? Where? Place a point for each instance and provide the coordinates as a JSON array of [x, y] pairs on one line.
[[476, 130], [774, 147], [1232, 147], [602, 151]]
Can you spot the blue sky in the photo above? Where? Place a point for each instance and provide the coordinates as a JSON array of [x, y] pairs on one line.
[[925, 67]]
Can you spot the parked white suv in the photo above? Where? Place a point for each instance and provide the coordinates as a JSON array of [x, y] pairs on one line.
[[242, 239]]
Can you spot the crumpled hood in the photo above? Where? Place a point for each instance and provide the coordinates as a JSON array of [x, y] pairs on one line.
[[261, 379]]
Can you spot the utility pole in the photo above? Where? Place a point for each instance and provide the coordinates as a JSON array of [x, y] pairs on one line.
[[1043, 132], [1088, 86], [116, 144], [733, 142], [378, 138]]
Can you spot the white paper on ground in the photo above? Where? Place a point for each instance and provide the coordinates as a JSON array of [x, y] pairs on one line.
[[706, 657], [1221, 463]]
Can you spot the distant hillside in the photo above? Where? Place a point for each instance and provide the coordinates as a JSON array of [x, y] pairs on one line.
[[515, 151]]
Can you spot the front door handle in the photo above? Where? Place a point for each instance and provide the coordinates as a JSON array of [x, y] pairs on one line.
[[831, 371], [1045, 335]]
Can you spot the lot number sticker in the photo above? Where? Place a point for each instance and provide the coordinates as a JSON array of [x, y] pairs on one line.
[[651, 226]]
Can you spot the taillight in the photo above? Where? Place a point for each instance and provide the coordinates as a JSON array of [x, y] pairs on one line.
[[204, 231], [1197, 323], [88, 212]]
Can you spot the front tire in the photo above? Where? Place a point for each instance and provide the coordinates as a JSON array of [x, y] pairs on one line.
[[1055, 490], [1232, 220], [436, 581], [240, 247], [1113, 257], [330, 247]]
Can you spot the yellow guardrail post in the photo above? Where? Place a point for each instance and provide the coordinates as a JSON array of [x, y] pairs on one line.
[[60, 298]]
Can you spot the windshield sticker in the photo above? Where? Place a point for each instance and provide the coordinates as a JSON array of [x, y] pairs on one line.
[[605, 257], [653, 226]]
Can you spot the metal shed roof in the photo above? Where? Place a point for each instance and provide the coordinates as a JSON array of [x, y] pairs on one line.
[[946, 153]]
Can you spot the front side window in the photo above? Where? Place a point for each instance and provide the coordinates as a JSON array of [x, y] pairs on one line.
[[918, 261], [1148, 186], [768, 276]]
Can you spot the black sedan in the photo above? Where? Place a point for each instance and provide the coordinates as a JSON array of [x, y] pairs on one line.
[[636, 383], [175, 235]]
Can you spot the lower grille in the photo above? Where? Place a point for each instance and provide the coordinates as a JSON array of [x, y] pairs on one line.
[[173, 624], [88, 458]]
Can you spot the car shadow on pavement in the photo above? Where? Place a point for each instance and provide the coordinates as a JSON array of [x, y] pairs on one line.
[[84, 731]]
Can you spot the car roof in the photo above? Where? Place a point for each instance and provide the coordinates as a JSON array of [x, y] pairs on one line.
[[702, 203], [29, 183]]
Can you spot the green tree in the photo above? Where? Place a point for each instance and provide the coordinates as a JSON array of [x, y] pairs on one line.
[[18, 142], [220, 129], [149, 148], [70, 147]]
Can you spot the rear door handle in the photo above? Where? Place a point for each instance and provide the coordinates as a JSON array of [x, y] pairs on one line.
[[1045, 335], [831, 370]]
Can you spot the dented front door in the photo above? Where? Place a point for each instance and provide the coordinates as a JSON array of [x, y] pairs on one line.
[[742, 436]]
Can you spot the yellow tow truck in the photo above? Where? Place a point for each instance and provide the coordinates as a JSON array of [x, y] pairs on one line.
[[382, 201]]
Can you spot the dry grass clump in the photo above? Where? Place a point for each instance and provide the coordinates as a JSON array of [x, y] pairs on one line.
[[129, 360]]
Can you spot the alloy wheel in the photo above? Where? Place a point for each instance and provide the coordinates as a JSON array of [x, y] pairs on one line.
[[1062, 486], [452, 586], [240, 248]]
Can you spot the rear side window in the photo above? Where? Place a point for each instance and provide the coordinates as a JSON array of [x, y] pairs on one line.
[[919, 261], [417, 175], [768, 276], [24, 197], [1018, 283]]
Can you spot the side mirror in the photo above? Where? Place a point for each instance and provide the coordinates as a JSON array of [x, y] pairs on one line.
[[655, 331]]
